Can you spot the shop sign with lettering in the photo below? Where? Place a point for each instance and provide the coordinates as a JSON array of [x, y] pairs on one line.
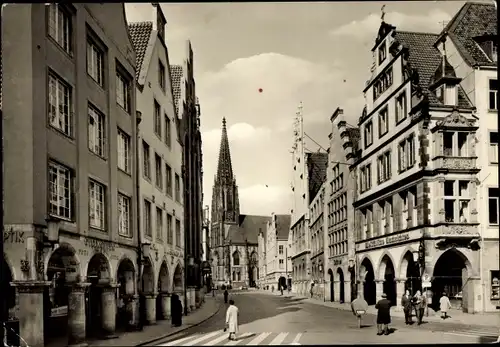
[[387, 241], [99, 246], [337, 261], [12, 236]]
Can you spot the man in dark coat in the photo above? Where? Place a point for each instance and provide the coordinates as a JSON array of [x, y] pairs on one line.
[[226, 295], [383, 307], [407, 306], [176, 310]]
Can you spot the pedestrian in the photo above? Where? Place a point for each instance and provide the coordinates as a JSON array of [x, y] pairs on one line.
[[406, 304], [176, 310], [281, 289], [311, 290], [232, 314], [444, 305], [226, 295], [383, 307], [420, 304]]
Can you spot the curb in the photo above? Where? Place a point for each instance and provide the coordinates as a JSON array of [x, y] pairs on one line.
[[158, 338]]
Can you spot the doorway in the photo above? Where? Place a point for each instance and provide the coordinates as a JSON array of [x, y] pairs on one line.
[[332, 284], [340, 273]]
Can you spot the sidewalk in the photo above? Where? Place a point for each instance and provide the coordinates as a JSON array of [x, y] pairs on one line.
[[457, 317], [161, 329]]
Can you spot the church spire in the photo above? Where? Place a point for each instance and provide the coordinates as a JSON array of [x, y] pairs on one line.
[[224, 167]]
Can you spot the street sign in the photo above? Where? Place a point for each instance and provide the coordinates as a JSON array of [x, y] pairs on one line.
[[426, 284]]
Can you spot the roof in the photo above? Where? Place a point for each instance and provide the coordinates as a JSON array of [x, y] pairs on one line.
[[425, 58], [316, 166], [472, 21], [247, 229], [140, 33], [283, 223], [176, 71]]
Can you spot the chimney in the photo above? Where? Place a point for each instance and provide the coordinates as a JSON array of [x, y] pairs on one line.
[[159, 20]]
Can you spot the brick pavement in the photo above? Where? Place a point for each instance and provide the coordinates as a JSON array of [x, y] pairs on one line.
[[161, 329], [478, 319]]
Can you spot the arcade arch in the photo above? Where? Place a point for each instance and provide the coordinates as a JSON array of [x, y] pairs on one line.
[[340, 276], [98, 275], [332, 284], [164, 288], [178, 282], [126, 278], [387, 273], [409, 269], [367, 276]]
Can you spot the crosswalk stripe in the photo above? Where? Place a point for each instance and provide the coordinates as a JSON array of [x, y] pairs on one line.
[[173, 343], [238, 339], [258, 339], [202, 338], [216, 341], [278, 339], [297, 338]]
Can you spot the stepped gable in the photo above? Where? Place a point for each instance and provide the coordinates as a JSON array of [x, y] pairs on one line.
[[140, 33], [472, 21]]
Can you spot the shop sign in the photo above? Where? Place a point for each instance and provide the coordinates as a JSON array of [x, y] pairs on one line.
[[11, 236], [99, 246], [387, 241], [337, 261]]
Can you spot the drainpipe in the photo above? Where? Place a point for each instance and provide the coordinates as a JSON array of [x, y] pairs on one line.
[[138, 221], [481, 250]]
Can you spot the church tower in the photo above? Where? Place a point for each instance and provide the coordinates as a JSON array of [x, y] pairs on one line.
[[225, 210]]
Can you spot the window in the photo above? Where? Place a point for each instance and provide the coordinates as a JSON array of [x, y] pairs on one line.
[[159, 223], [456, 201], [168, 173], [168, 134], [493, 147], [406, 153], [366, 178], [494, 49], [95, 62], [123, 91], [60, 191], [177, 188], [146, 160], [123, 151], [124, 215], [280, 250], [178, 233], [384, 167], [383, 122], [157, 119], [383, 83], [401, 107], [495, 284], [382, 54], [170, 234], [158, 172], [282, 263], [455, 144], [147, 219], [493, 197], [161, 75], [368, 134], [97, 205], [236, 259], [493, 96], [96, 131], [60, 105], [60, 26]]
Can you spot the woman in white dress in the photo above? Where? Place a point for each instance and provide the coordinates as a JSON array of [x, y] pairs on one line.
[[232, 319]]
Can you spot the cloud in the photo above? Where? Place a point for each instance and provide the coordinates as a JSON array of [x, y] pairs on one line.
[[367, 27], [262, 200], [239, 132]]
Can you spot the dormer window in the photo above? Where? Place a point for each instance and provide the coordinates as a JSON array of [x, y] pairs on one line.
[[494, 47], [440, 94], [382, 53]]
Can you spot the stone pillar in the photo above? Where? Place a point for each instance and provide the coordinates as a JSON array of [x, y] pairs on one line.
[[192, 301], [108, 314], [197, 297], [165, 305], [150, 308], [133, 311], [76, 314], [400, 290], [187, 300], [361, 289], [336, 291], [31, 318], [347, 291], [379, 285]]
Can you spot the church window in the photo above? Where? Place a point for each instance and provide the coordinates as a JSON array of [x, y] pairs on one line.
[[236, 259]]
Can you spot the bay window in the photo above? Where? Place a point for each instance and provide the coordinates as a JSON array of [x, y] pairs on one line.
[[456, 201], [493, 197], [455, 144], [493, 153]]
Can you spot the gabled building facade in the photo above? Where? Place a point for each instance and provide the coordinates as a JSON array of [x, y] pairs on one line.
[[317, 228], [69, 210], [416, 207], [188, 111], [339, 198], [470, 43], [234, 240], [160, 156], [277, 261], [261, 252]]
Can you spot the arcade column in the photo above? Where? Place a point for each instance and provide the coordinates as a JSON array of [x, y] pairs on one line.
[[76, 314], [165, 305], [361, 289], [109, 310], [192, 298], [347, 291], [379, 285], [187, 300], [150, 308], [400, 291], [31, 318]]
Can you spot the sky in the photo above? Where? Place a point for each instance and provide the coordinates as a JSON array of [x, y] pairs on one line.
[[315, 53]]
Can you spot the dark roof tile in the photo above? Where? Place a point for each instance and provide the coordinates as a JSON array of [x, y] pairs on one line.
[[316, 166], [140, 32], [177, 74], [248, 229], [283, 222]]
